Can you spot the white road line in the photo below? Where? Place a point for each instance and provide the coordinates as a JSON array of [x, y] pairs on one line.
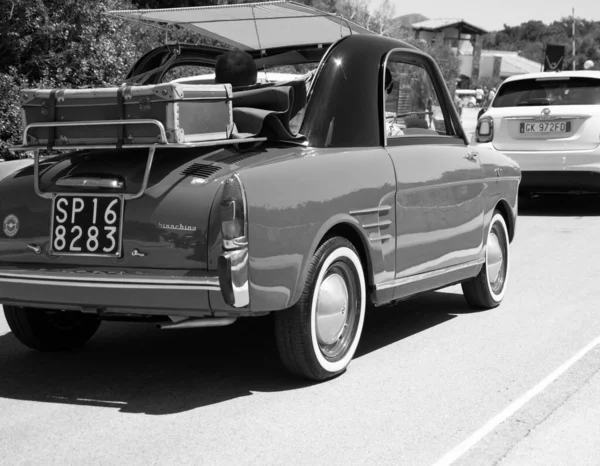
[[511, 409]]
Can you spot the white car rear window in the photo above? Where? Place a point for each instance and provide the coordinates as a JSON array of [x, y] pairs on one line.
[[544, 91]]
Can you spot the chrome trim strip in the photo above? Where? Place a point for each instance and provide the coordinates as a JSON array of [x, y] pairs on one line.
[[61, 124], [426, 275], [503, 178], [183, 145], [380, 237], [209, 283], [383, 223], [91, 182], [127, 197], [110, 286], [373, 210]]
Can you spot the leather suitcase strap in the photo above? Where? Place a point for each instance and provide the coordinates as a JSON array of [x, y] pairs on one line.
[[121, 107], [51, 117]]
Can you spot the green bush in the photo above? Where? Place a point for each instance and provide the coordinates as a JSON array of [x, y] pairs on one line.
[[60, 43]]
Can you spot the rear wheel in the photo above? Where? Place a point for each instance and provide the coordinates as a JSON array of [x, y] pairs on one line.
[[487, 289], [50, 330], [318, 336]]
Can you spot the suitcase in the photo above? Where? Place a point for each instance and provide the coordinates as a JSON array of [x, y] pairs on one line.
[[189, 113]]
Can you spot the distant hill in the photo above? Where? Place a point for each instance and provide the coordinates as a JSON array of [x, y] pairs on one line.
[[406, 21]]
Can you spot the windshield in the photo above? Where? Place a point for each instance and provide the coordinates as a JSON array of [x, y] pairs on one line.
[[191, 74], [545, 91]]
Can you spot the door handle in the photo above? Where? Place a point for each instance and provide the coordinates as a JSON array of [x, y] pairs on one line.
[[471, 155]]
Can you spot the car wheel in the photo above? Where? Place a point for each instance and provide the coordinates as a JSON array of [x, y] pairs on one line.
[[487, 289], [471, 105], [49, 330], [318, 336]]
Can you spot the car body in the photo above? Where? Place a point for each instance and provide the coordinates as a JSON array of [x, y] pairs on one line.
[[311, 229], [549, 123]]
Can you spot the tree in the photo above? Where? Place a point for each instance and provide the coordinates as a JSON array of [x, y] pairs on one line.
[[382, 19], [60, 43], [530, 39]]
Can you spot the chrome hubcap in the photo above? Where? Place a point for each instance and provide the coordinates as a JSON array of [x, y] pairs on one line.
[[495, 259], [332, 309]]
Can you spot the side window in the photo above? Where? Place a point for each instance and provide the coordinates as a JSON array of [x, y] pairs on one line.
[[412, 106]]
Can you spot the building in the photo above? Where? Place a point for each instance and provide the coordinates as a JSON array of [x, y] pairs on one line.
[[467, 40]]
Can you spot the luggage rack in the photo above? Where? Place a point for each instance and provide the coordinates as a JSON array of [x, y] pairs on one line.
[[162, 142]]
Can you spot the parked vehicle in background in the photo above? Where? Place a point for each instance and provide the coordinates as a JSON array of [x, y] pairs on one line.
[[467, 97], [376, 198], [549, 123]]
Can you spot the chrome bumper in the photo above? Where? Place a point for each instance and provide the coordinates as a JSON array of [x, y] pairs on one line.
[[233, 277], [79, 289], [107, 290]]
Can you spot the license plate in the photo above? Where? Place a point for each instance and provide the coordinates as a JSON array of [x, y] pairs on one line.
[[87, 225], [546, 127]]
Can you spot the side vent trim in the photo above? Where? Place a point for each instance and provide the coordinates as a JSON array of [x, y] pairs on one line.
[[201, 170]]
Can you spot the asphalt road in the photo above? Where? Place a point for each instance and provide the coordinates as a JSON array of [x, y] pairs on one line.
[[429, 374], [432, 380]]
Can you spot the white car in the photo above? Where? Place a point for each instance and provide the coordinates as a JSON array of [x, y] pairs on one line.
[[549, 123]]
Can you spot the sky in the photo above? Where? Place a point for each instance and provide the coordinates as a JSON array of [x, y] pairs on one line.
[[492, 15]]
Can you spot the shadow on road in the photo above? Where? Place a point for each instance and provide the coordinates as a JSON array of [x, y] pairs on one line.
[[560, 205], [138, 369]]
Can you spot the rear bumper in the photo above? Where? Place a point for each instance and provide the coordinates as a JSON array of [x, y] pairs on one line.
[[557, 171], [540, 161], [111, 291], [560, 181]]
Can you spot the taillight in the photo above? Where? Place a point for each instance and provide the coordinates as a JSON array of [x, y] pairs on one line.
[[233, 214], [484, 131]]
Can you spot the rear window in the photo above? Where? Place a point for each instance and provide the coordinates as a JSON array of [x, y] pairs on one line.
[[544, 91]]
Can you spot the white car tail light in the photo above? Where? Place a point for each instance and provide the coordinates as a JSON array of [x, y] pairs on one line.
[[485, 129]]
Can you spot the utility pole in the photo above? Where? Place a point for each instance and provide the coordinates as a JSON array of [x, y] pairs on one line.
[[573, 38]]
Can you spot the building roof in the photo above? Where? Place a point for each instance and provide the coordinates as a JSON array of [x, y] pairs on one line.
[[254, 26], [512, 63], [440, 24]]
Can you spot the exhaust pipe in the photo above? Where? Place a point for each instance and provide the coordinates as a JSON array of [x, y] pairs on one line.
[[201, 322]]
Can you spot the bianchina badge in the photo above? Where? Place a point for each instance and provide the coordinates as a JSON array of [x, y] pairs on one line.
[[10, 225]]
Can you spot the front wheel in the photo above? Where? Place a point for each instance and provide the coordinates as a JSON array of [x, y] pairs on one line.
[[50, 330], [318, 336], [487, 289]]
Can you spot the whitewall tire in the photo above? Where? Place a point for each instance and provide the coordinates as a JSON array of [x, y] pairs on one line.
[[318, 337], [487, 289]]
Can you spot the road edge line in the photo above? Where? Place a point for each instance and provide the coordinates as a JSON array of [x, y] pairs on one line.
[[460, 449]]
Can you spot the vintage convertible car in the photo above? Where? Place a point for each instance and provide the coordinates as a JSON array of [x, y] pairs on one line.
[[377, 197]]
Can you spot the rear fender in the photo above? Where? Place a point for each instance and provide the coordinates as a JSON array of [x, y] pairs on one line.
[[323, 232]]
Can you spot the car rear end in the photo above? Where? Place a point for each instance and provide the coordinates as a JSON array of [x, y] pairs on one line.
[[549, 123], [102, 233]]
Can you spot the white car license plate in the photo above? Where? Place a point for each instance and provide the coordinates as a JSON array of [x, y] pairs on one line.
[[87, 225], [546, 127]]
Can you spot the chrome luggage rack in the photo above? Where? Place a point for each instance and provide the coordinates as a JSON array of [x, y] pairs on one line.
[[161, 142]]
